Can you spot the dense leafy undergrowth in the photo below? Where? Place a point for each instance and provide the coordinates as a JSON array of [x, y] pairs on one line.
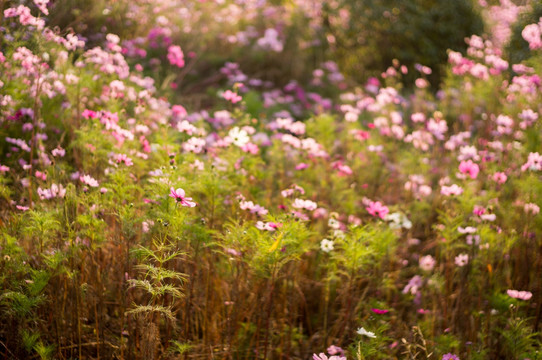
[[366, 222]]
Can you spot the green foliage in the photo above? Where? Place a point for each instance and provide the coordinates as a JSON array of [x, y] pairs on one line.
[[377, 31], [519, 339], [177, 347], [117, 268], [158, 281], [362, 247]]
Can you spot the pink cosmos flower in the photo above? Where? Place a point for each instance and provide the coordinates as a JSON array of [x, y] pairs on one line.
[[427, 263], [299, 215], [178, 111], [488, 217], [417, 117], [179, 196], [122, 158], [58, 152], [287, 192], [380, 311], [304, 204], [531, 208], [42, 5], [521, 295], [253, 208], [250, 148], [534, 162], [478, 210], [319, 213], [533, 35], [270, 226], [194, 144], [233, 252], [89, 180], [414, 284], [470, 168], [175, 56], [89, 114], [343, 169], [323, 356], [361, 135], [25, 17], [499, 177], [450, 356], [451, 190], [56, 191], [462, 260], [41, 175], [376, 208], [146, 225], [529, 117], [231, 96], [421, 83], [466, 230], [335, 350]]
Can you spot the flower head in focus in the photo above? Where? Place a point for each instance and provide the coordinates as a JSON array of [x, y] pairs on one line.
[[179, 196]]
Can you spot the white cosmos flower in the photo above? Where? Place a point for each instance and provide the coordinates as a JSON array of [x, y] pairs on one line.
[[239, 136], [362, 331], [398, 220], [326, 245]]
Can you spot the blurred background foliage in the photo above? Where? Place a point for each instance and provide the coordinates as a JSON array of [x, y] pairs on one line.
[[414, 31], [362, 37]]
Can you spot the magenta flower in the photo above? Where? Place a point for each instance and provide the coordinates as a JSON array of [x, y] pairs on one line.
[[450, 356], [175, 56], [301, 166], [343, 169], [499, 177], [380, 311], [376, 208], [250, 148], [122, 158], [178, 111], [470, 168], [180, 197], [521, 295], [89, 114]]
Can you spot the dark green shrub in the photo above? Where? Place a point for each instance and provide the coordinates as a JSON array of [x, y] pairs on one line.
[[415, 31]]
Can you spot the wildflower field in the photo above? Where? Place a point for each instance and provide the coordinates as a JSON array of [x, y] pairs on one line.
[[270, 179]]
